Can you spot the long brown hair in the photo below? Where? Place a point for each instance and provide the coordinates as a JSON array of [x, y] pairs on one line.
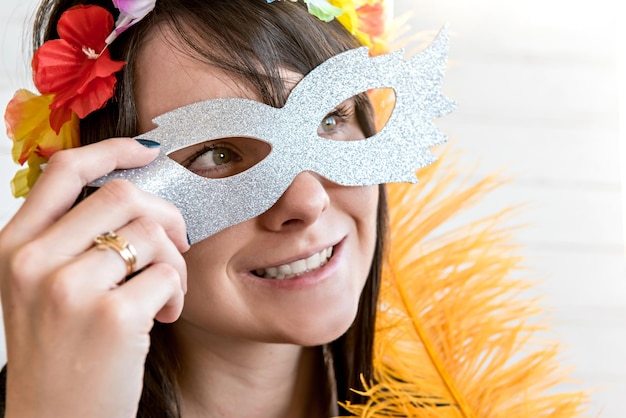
[[250, 40]]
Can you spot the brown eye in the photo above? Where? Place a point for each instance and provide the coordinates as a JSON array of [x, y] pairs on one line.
[[329, 123]]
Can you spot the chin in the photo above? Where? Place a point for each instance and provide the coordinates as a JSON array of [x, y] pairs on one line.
[[321, 329]]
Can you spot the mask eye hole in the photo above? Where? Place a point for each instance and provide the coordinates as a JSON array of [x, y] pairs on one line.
[[383, 102], [220, 158], [360, 117]]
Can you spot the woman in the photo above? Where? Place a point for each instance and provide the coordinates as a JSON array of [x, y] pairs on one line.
[[279, 308], [245, 343]]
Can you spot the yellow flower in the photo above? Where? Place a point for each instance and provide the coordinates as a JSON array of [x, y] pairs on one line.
[[366, 20], [27, 119], [25, 178], [349, 17]]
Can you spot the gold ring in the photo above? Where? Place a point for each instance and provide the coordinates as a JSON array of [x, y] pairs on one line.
[[117, 243]]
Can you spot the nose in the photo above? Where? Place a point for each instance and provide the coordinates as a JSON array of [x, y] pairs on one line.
[[301, 205]]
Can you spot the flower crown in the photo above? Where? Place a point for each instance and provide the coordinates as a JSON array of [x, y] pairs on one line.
[[76, 75]]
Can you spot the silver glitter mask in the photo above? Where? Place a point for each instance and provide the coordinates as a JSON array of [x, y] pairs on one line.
[[210, 205]]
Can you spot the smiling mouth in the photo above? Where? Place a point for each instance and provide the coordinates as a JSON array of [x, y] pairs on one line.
[[296, 268]]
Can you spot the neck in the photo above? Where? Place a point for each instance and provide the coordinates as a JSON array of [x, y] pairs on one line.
[[234, 378]]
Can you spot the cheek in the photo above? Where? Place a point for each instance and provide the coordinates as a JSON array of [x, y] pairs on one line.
[[211, 296], [366, 205], [361, 204]]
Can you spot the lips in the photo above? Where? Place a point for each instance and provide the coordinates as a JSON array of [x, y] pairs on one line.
[[296, 268]]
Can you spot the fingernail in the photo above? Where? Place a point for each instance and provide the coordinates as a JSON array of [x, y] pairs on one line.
[[148, 143], [188, 239]]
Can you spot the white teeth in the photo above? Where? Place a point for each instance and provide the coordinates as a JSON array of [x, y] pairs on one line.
[[314, 261], [298, 267], [287, 271], [284, 269]]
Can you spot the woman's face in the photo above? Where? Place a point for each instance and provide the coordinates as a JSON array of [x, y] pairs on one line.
[[293, 274]]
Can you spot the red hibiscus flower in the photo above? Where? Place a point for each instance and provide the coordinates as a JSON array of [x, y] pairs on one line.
[[77, 69]]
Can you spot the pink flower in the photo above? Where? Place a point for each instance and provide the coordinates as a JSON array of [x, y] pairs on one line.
[[131, 12]]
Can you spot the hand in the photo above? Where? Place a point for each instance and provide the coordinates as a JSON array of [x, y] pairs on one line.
[[76, 338]]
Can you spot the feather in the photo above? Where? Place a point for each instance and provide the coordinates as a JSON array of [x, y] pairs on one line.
[[456, 337]]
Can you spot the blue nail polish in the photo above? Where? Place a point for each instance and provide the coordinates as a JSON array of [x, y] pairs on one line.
[[188, 240], [148, 143]]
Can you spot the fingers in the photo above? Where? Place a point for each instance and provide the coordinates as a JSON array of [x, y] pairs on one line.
[[114, 208], [60, 294], [111, 208], [156, 292], [84, 343], [152, 246], [123, 202], [64, 177], [48, 249], [53, 236]]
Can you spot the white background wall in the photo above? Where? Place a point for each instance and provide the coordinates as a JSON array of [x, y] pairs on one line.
[[537, 87]]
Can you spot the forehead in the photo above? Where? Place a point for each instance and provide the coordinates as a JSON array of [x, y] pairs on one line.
[[168, 76]]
